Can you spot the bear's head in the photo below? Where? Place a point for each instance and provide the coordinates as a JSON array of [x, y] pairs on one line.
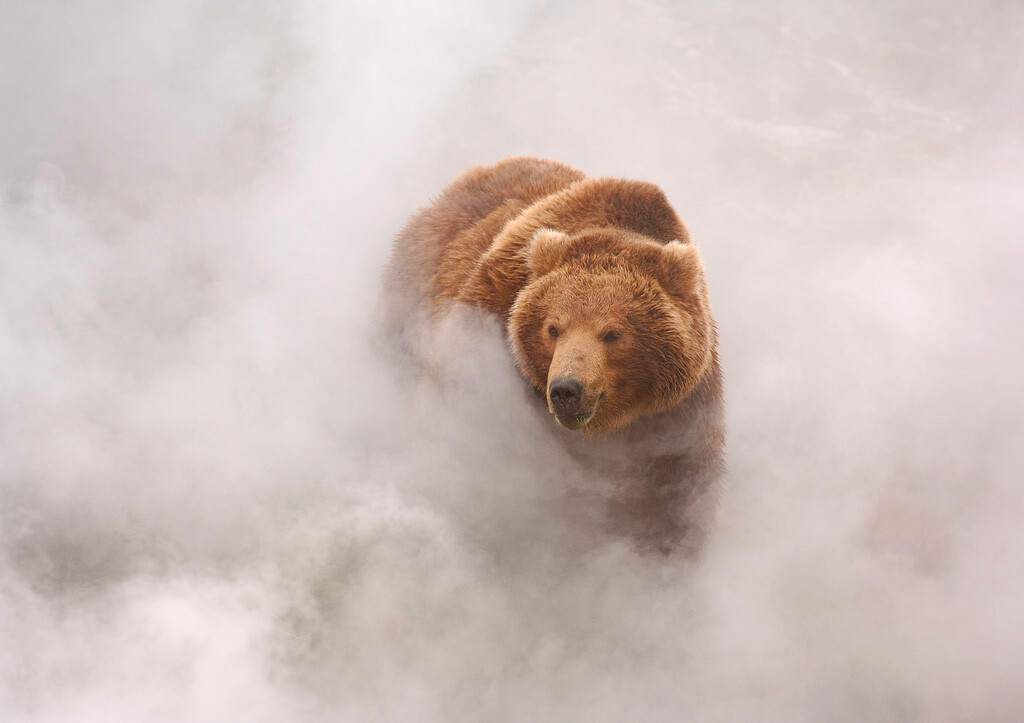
[[611, 325]]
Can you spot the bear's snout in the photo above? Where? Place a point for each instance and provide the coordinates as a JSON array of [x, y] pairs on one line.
[[565, 394]]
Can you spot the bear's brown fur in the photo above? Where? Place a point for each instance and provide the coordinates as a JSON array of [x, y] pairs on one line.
[[607, 313]]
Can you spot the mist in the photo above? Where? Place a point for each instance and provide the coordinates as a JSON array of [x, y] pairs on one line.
[[217, 501]]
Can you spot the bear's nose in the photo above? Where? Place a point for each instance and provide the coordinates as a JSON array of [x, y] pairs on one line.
[[565, 394]]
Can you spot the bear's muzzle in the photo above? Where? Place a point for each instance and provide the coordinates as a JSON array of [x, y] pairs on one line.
[[566, 397]]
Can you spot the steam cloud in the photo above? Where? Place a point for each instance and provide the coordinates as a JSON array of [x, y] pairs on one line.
[[216, 503]]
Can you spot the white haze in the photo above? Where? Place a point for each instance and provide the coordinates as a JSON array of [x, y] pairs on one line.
[[217, 503]]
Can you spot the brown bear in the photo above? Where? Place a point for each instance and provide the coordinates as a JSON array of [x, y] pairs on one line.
[[606, 309]]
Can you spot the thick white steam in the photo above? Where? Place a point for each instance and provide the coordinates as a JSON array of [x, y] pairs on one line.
[[218, 502]]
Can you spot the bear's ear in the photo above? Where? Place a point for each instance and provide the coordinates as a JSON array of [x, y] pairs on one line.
[[680, 270], [545, 250]]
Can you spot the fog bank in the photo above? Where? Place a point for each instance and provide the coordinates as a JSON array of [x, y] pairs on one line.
[[217, 502]]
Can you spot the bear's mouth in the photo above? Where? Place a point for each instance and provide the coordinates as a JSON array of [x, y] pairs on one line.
[[579, 420]]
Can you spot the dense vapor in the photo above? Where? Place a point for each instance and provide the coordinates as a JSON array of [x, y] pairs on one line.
[[217, 501]]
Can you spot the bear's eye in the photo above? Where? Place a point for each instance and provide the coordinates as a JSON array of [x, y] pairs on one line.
[[553, 331], [610, 336]]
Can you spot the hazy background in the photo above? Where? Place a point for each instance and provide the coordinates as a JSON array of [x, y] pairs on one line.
[[217, 504]]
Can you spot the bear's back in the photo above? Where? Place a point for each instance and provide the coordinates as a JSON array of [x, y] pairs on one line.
[[442, 244]]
